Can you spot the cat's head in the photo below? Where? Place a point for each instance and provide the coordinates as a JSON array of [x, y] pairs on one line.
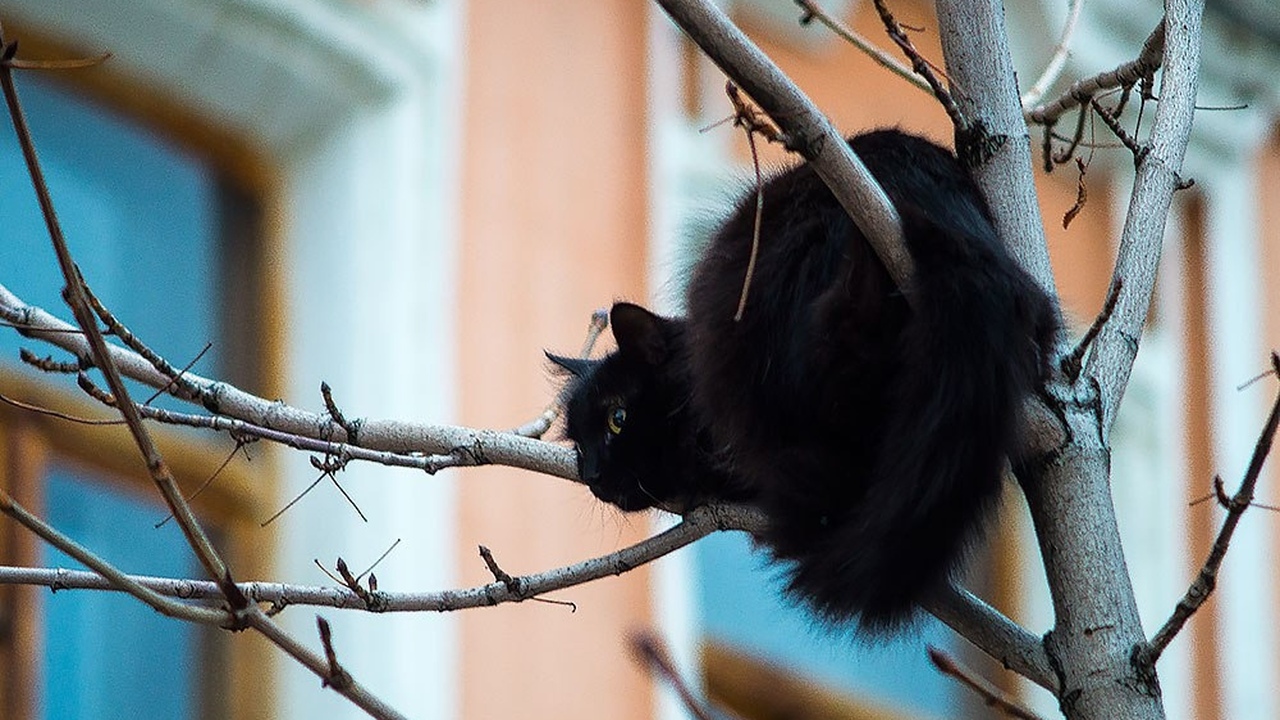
[[620, 411]]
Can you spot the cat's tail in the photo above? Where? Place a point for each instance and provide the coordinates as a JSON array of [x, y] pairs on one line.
[[970, 353]]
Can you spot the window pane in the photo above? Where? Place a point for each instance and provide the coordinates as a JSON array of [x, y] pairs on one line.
[[742, 602], [106, 654], [139, 216]]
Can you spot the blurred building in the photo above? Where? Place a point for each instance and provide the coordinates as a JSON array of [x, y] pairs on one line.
[[410, 200]]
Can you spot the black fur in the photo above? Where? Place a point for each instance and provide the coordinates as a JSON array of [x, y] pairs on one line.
[[871, 430]]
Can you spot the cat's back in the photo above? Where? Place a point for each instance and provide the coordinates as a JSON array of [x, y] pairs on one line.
[[815, 332]]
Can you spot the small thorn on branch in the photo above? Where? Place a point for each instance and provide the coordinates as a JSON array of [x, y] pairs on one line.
[[352, 427], [515, 585]]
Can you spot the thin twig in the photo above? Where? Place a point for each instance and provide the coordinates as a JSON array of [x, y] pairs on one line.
[[539, 426], [181, 374], [1071, 364], [1113, 124], [70, 64], [1053, 70], [208, 481], [652, 653], [350, 689], [351, 426], [56, 414], [920, 65], [133, 342], [1202, 587], [990, 694], [806, 130], [1126, 75], [812, 11], [336, 677], [751, 122]]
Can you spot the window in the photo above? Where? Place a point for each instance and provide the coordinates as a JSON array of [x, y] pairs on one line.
[[171, 242]]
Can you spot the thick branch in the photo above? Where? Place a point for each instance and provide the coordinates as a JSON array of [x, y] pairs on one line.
[[998, 636], [980, 67], [1156, 180]]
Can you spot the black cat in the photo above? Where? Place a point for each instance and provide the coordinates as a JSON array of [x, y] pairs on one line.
[[870, 424], [639, 444]]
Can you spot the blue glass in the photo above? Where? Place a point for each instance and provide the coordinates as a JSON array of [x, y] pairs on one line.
[[107, 655], [139, 216], [742, 604]]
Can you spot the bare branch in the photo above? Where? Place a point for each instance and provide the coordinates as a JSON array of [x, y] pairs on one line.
[[998, 636], [1157, 178], [812, 11], [538, 426], [976, 48], [450, 444], [920, 66], [696, 524], [76, 294], [1126, 75], [1202, 587], [651, 652], [1057, 62], [321, 666], [110, 576]]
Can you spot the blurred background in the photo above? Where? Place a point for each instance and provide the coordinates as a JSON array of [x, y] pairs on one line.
[[410, 201]]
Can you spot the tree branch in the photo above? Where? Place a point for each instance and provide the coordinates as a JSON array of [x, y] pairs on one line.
[[1053, 70], [1157, 178], [996, 635], [110, 577], [698, 523], [976, 48], [1202, 587], [1125, 75], [320, 665], [388, 436]]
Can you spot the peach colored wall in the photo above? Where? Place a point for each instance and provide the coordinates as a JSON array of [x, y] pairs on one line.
[[554, 225]]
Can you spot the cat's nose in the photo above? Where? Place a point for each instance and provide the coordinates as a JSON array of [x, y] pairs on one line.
[[588, 468]]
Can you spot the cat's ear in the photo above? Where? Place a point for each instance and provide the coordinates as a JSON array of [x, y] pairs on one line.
[[577, 367], [640, 333]]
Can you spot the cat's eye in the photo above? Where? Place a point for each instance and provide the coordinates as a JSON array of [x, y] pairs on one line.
[[617, 417]]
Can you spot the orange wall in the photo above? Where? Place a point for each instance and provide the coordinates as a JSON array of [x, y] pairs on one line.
[[554, 225]]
